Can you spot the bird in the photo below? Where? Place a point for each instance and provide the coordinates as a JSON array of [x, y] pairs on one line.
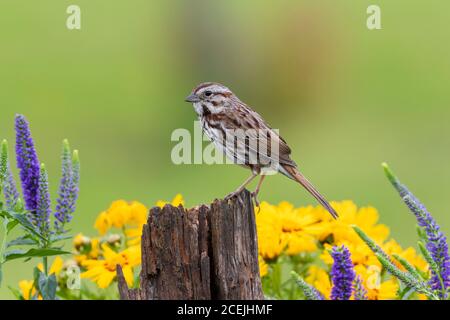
[[224, 117]]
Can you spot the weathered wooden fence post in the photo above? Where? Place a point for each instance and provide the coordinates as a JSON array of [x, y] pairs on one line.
[[207, 252]]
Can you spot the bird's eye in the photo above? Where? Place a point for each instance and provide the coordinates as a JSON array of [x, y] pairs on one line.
[[208, 93]]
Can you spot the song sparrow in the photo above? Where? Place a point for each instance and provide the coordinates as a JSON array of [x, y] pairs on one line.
[[223, 116]]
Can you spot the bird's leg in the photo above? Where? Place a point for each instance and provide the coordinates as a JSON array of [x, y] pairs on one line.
[[258, 187], [238, 190]]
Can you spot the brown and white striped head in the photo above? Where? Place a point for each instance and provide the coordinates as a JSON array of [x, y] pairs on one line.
[[210, 98]]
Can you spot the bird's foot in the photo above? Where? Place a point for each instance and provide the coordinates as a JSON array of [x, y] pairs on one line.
[[231, 195], [235, 194], [255, 198]]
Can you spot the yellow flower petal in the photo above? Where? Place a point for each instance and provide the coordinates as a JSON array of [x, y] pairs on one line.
[[108, 253], [320, 280], [103, 223], [263, 267], [105, 279], [178, 200], [56, 266], [128, 275], [27, 289]]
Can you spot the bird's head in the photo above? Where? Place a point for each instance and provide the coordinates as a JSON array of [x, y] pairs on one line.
[[210, 98]]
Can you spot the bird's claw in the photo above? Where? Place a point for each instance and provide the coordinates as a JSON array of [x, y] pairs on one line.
[[230, 195], [235, 194], [255, 198]]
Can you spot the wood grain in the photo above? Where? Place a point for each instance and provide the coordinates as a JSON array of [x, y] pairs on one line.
[[207, 252]]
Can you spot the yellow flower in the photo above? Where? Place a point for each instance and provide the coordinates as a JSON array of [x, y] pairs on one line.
[[296, 230], [366, 218], [421, 296], [377, 289], [27, 289], [134, 236], [118, 213], [409, 254], [284, 227], [304, 219], [121, 214], [137, 214], [137, 218], [80, 240], [386, 291], [263, 267], [269, 225], [103, 271], [81, 243], [300, 227], [93, 253], [176, 201], [320, 280], [54, 268], [342, 233], [103, 223], [360, 253], [298, 242]]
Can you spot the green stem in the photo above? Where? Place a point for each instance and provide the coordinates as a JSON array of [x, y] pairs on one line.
[[5, 235], [45, 263], [3, 248], [45, 259]]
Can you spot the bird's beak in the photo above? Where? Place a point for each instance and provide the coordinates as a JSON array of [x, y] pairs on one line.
[[192, 98]]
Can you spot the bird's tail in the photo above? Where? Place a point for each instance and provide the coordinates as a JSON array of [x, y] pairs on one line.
[[294, 174]]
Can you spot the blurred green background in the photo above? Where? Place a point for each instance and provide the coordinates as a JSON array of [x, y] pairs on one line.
[[345, 98]]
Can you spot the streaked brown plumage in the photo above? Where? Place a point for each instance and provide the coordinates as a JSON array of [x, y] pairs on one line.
[[222, 113]]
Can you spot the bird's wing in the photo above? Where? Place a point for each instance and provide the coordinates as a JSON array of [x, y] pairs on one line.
[[261, 141]]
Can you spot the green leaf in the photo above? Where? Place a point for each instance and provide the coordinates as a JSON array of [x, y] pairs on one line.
[[370, 243], [310, 292], [56, 238], [21, 241], [3, 162], [433, 265], [406, 293], [389, 174], [428, 257], [31, 253], [5, 214], [409, 267], [16, 293], [19, 207], [47, 286], [407, 278], [36, 275], [24, 222], [11, 225], [421, 232]]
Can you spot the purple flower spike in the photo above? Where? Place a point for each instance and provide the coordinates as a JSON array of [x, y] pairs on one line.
[[62, 213], [10, 191], [74, 187], [68, 190], [6, 178], [43, 210], [359, 292], [27, 162], [436, 242], [342, 274]]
